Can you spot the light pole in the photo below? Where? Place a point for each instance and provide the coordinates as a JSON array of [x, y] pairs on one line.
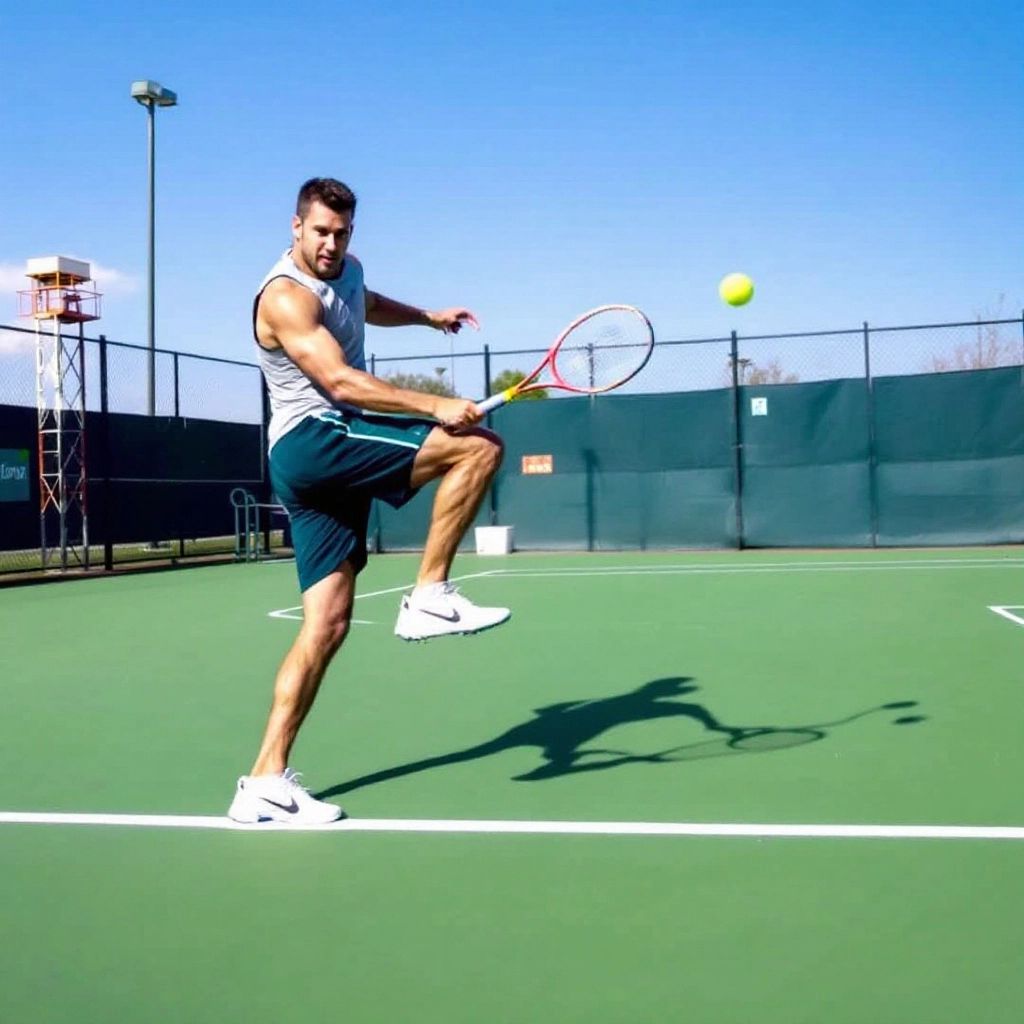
[[152, 95]]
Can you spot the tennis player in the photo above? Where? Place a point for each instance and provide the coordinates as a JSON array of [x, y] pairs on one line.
[[340, 437]]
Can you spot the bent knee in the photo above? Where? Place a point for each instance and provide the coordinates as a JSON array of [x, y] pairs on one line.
[[329, 632], [489, 449]]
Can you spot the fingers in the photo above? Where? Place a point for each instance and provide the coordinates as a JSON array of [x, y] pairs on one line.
[[453, 320], [469, 417], [460, 413]]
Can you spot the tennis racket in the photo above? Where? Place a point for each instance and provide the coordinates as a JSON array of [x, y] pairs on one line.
[[599, 351]]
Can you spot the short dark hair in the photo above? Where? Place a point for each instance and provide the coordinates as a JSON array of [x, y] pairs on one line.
[[334, 194]]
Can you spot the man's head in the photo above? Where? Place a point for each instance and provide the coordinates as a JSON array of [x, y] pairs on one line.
[[322, 226]]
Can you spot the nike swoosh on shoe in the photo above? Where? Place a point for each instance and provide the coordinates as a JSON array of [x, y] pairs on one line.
[[454, 617], [292, 808]]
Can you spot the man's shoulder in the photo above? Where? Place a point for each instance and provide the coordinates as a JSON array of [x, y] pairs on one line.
[[288, 297], [283, 285]]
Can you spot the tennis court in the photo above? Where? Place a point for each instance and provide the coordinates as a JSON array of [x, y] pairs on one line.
[[598, 813]]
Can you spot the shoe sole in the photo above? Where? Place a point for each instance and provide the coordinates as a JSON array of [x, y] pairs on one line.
[[267, 820]]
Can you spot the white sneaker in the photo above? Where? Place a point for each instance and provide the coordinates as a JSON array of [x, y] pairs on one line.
[[279, 798], [440, 610]]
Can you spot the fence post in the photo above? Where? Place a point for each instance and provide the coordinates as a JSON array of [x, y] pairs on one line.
[[108, 546], [177, 402], [872, 445], [737, 437]]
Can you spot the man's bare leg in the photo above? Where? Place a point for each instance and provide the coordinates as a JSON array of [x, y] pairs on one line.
[[467, 464], [327, 612]]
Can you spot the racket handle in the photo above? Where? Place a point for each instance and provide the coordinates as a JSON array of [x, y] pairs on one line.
[[496, 401]]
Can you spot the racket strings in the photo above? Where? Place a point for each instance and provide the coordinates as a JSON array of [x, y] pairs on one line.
[[604, 350]]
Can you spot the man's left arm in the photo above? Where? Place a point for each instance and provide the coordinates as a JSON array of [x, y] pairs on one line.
[[384, 312]]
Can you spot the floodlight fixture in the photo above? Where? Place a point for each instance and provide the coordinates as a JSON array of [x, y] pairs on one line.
[[153, 94]]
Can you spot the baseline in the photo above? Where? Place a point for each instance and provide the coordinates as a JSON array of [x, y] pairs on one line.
[[600, 828]]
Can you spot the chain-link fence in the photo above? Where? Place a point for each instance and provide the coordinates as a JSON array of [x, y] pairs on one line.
[[188, 385], [193, 387], [705, 364], [155, 483], [222, 389]]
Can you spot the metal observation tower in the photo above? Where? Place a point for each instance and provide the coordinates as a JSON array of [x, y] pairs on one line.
[[57, 297]]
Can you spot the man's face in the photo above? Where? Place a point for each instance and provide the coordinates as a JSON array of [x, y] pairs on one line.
[[322, 238]]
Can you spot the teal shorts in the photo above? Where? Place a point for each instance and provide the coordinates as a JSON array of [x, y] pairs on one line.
[[327, 470]]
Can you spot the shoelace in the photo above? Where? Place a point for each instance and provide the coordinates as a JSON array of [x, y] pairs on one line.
[[291, 778], [448, 590]]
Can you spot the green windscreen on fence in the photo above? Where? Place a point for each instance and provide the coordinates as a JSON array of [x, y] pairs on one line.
[[149, 477], [806, 475], [925, 459], [627, 472], [951, 457], [631, 471]]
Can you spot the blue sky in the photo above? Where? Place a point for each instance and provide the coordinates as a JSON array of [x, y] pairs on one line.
[[862, 161]]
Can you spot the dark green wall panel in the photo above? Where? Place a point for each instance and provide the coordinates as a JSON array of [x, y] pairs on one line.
[[645, 471], [639, 471], [951, 458], [952, 502], [807, 506], [806, 477]]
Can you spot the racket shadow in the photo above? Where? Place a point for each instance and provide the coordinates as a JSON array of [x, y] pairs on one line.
[[564, 733]]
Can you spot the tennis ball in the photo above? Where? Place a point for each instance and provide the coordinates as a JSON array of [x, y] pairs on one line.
[[736, 289]]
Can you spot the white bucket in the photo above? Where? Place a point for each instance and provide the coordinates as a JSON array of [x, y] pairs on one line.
[[493, 540]]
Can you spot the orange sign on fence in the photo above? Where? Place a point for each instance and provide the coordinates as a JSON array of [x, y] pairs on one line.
[[534, 465]]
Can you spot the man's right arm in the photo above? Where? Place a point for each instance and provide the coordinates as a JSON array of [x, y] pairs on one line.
[[289, 316]]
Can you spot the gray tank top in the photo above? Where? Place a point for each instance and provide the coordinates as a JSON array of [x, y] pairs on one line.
[[293, 396]]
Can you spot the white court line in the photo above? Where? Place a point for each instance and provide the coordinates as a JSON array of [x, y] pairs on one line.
[[1007, 610], [588, 828], [286, 613], [757, 566], [750, 569]]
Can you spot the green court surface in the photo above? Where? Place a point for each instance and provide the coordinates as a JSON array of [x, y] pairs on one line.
[[678, 689]]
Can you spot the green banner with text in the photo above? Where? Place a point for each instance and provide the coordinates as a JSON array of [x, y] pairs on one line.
[[14, 484]]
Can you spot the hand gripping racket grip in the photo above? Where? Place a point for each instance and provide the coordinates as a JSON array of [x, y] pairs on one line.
[[495, 401]]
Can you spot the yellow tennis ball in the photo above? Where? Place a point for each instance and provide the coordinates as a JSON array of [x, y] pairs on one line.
[[736, 289]]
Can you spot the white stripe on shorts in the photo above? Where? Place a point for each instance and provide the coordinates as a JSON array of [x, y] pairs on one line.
[[328, 416]]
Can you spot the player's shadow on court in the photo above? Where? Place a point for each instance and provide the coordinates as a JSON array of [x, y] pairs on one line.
[[563, 734]]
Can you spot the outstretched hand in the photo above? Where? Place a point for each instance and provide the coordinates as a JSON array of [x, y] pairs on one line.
[[453, 319]]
